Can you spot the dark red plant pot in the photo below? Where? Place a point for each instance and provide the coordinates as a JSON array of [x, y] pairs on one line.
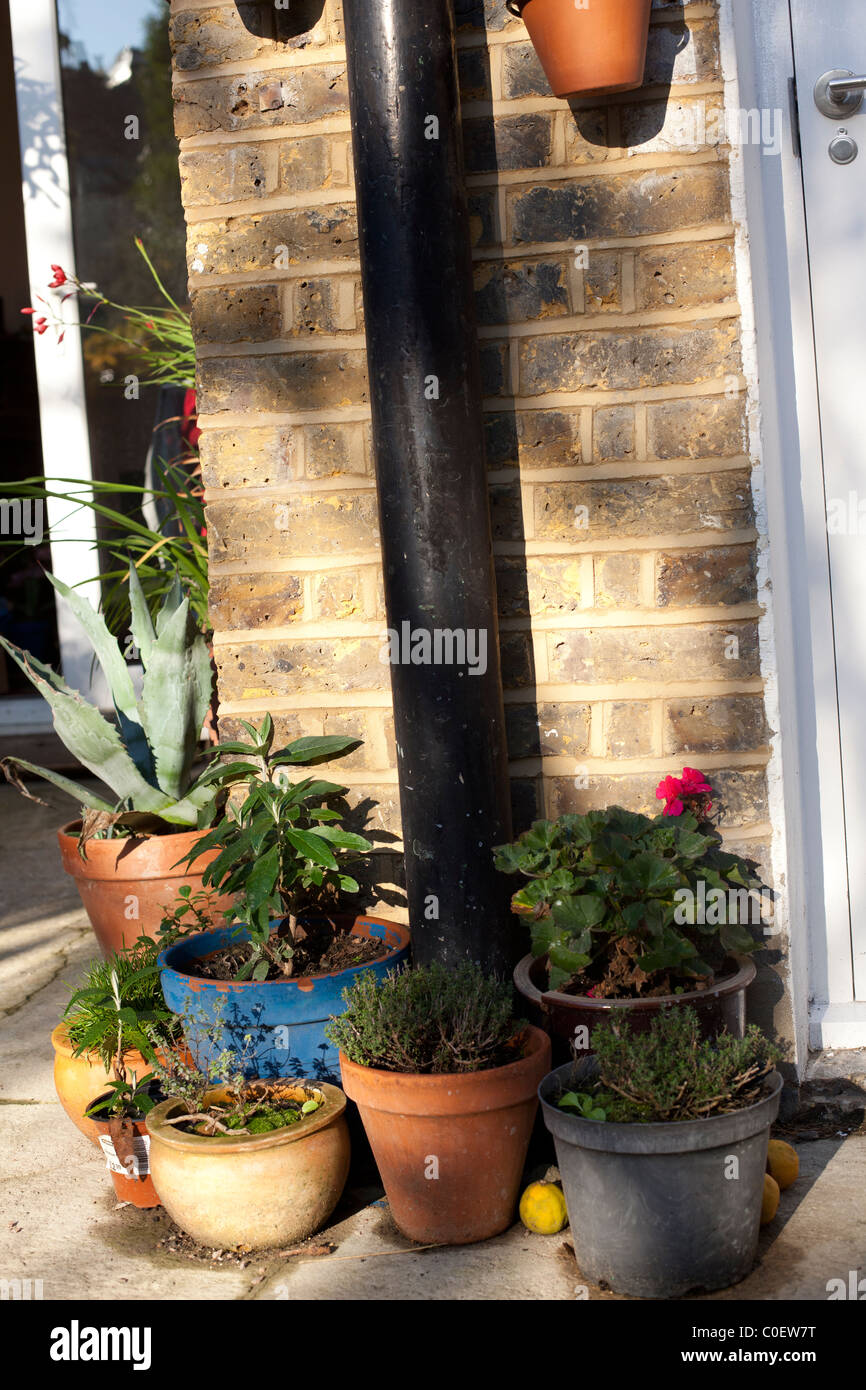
[[719, 1008]]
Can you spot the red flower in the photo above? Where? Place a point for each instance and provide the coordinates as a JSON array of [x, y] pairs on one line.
[[671, 790], [60, 278], [694, 782], [189, 430], [28, 311], [40, 325]]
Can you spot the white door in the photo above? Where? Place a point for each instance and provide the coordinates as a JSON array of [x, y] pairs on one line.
[[830, 37]]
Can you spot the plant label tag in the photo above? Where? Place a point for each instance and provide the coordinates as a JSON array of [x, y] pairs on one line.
[[138, 1163]]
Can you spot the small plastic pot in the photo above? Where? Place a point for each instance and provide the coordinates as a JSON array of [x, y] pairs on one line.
[[587, 48], [131, 1178], [660, 1210]]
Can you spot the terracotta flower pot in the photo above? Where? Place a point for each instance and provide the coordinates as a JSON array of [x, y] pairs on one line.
[[254, 1190], [721, 1007], [132, 1180], [595, 46], [451, 1149], [126, 885], [79, 1080]]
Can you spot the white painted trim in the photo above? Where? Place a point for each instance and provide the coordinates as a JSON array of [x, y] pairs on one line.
[[59, 370], [840, 1026], [809, 839]]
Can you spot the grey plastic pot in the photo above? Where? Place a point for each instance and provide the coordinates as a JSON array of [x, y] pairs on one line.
[[655, 1210]]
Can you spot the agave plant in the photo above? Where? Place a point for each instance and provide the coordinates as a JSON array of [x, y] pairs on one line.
[[147, 757]]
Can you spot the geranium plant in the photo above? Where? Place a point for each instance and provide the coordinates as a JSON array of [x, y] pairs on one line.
[[625, 905]]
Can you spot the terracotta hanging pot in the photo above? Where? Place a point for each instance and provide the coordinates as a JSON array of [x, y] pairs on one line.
[[128, 884], [588, 46], [451, 1148]]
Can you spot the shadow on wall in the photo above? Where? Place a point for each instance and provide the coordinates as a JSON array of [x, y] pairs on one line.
[[289, 22]]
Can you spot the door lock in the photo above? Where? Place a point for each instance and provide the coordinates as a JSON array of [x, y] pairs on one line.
[[839, 93], [843, 148]]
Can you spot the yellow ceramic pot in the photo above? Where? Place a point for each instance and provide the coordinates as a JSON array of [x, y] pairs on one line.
[[79, 1080], [254, 1190]]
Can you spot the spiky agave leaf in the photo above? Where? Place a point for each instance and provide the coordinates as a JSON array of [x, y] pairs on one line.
[[174, 699]]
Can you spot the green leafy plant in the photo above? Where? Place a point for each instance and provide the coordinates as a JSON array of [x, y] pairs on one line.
[[579, 1103], [124, 1099], [623, 904], [671, 1073], [219, 1099], [428, 1019], [281, 849], [147, 757], [120, 1008]]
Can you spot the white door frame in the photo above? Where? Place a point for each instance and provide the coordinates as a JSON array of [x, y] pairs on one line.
[[813, 855], [59, 369]]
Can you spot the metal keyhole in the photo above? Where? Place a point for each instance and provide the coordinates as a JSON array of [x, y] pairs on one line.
[[843, 148]]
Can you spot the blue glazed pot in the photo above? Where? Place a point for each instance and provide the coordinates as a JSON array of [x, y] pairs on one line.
[[284, 1018]]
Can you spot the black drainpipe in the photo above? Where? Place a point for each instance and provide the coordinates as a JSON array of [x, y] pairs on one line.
[[428, 434]]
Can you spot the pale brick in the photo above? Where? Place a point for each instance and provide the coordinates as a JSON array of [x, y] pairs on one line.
[[681, 277], [614, 507], [518, 291], [622, 654], [256, 242], [732, 722], [628, 729], [255, 601], [713, 427], [306, 524], [287, 381], [717, 575], [547, 730], [613, 437], [233, 173], [533, 439], [266, 670], [249, 457], [237, 314], [629, 204], [628, 359], [617, 581]]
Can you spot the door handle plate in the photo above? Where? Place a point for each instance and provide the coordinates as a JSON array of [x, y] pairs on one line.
[[840, 102]]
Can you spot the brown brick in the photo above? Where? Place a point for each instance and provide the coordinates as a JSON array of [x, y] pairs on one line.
[[494, 368], [628, 729], [714, 726], [292, 96], [508, 142], [522, 73], [547, 730], [248, 457], [323, 523], [622, 361], [481, 203], [677, 125], [518, 669], [305, 164], [617, 581], [544, 586], [339, 595], [230, 174], [586, 136], [680, 277], [360, 724], [533, 439], [205, 37], [316, 307], [622, 654], [642, 506], [506, 515], [743, 794], [678, 56], [713, 427], [631, 204], [255, 600], [601, 283], [287, 727], [473, 68], [237, 314], [334, 449], [374, 811], [264, 670], [717, 575], [255, 242], [613, 433], [282, 381], [518, 291]]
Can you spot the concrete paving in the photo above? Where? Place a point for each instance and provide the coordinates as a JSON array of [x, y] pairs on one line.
[[60, 1222]]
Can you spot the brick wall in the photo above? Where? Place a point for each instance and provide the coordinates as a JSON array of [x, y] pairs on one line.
[[619, 475]]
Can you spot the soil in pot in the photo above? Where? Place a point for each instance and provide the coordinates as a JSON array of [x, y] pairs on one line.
[[571, 1018], [654, 1211], [326, 946], [451, 1148], [256, 1190]]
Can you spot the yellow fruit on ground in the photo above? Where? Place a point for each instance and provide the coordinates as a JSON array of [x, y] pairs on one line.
[[542, 1208], [770, 1204], [782, 1163]]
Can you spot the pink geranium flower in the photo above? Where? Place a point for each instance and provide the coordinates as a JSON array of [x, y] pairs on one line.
[[670, 790]]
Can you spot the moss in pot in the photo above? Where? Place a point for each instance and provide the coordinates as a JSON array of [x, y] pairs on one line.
[[629, 912]]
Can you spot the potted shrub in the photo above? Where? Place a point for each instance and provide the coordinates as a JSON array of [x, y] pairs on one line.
[[629, 913], [445, 1081], [284, 854], [116, 1018], [588, 46], [661, 1140], [246, 1163], [86, 1039], [126, 856]]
